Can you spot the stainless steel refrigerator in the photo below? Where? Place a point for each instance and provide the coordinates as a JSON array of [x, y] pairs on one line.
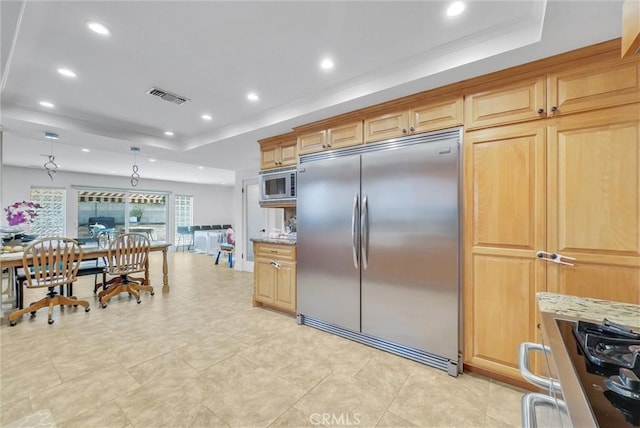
[[379, 248]]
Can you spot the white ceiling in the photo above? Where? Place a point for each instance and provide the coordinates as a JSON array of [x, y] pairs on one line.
[[215, 52]]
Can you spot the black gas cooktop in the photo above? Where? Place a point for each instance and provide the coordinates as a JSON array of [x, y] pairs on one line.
[[606, 358]]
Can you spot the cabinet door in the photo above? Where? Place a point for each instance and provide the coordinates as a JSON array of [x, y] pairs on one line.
[[433, 116], [594, 86], [265, 279], [504, 224], [289, 153], [594, 204], [385, 126], [312, 142], [285, 290], [517, 102], [345, 135], [268, 157]]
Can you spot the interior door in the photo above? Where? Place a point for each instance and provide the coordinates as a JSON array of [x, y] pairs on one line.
[[328, 268], [594, 204], [254, 221]]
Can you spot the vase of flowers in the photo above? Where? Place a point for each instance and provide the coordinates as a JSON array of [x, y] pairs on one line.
[[19, 216]]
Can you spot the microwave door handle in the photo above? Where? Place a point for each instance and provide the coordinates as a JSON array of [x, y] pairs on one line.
[[354, 230]]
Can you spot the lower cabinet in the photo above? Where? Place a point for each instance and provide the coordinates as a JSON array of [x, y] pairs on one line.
[[275, 276]]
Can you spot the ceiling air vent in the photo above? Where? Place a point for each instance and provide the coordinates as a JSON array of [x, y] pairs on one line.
[[172, 98]]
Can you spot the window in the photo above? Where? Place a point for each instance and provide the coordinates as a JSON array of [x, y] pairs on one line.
[[51, 220], [184, 210]]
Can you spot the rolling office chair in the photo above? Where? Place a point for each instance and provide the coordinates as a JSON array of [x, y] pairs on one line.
[[128, 254], [50, 262]]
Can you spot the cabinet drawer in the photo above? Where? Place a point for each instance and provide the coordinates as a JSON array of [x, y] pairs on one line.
[[275, 251]]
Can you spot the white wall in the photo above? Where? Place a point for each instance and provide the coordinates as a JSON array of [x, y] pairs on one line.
[[212, 204]]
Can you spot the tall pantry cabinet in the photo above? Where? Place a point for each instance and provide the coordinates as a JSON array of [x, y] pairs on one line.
[[552, 173]]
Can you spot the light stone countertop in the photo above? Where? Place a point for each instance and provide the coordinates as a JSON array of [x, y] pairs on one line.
[[591, 309], [280, 241]]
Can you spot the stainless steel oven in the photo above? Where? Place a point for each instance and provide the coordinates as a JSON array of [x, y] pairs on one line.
[[594, 379]]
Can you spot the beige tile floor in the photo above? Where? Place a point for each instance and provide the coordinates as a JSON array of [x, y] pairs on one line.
[[202, 356]]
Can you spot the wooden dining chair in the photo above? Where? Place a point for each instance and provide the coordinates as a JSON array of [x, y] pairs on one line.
[[128, 254], [50, 262]]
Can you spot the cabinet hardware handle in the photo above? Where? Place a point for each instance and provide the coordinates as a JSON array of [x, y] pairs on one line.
[[412, 129], [554, 109], [275, 264], [274, 251], [328, 145], [404, 130], [554, 257], [540, 110], [324, 146]]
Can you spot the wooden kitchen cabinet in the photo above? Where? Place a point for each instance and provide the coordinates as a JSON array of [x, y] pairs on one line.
[[422, 117], [275, 276], [335, 137], [568, 185], [515, 102], [594, 204], [278, 152], [571, 90], [630, 28], [504, 226]]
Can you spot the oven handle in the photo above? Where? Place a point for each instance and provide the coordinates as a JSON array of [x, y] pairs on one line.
[[529, 403], [525, 371]]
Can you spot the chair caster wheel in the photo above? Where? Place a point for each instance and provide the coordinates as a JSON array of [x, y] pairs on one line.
[[50, 322], [33, 314], [139, 301], [152, 293], [87, 309], [12, 323], [104, 305], [75, 306]]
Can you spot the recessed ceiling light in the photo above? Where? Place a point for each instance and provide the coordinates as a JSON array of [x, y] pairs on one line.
[[200, 167], [252, 96], [152, 160], [206, 117], [66, 72], [326, 64], [86, 150], [51, 136], [99, 28], [168, 133], [456, 8], [46, 104]]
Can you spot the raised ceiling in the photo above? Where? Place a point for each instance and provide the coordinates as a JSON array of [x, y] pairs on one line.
[[214, 53]]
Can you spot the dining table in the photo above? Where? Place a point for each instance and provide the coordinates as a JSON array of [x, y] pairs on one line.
[[11, 261]]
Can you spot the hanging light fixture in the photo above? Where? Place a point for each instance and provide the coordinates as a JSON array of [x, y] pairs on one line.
[[51, 166], [135, 177]]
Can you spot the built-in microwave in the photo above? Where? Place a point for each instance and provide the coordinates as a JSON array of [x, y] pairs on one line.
[[278, 186]]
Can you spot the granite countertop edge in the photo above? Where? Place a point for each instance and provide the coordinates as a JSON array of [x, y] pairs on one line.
[[280, 241], [590, 309]]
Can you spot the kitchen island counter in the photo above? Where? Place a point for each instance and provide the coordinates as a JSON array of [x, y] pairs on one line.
[[591, 309]]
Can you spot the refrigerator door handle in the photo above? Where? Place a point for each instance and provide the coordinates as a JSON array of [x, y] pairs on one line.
[[364, 232], [354, 230]]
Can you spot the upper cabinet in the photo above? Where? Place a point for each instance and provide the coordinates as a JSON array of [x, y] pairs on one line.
[[278, 152], [515, 102], [421, 117], [335, 137], [630, 28], [571, 90]]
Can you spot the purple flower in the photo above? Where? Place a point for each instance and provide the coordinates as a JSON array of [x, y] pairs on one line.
[[21, 212]]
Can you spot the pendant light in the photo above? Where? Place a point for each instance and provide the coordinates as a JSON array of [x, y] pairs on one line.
[[135, 177], [51, 166]]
